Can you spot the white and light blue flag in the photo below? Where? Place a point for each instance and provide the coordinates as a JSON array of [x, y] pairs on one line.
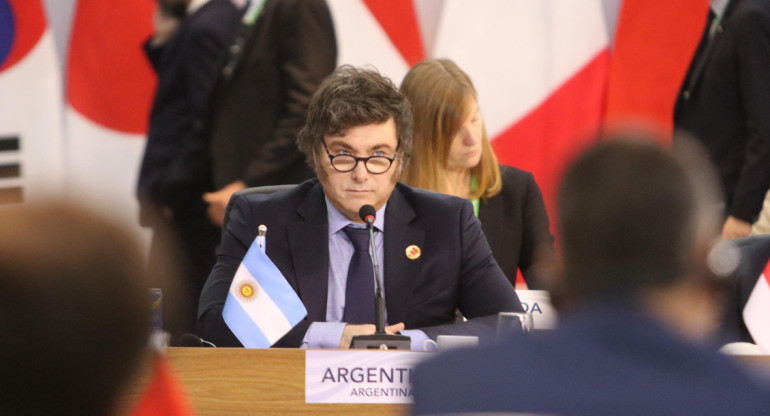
[[261, 306]]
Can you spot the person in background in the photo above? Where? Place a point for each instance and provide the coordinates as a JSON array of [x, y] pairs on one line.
[[168, 15], [637, 304], [724, 102], [453, 156], [175, 171], [280, 55], [74, 313], [434, 257]]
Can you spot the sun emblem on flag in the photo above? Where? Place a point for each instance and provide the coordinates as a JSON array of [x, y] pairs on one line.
[[248, 292]]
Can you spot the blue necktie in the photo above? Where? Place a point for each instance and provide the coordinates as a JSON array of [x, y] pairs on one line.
[[359, 291]]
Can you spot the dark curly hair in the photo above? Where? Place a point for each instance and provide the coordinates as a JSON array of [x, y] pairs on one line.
[[352, 97]]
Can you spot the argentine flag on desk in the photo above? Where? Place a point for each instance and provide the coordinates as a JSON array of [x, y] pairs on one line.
[[261, 306]]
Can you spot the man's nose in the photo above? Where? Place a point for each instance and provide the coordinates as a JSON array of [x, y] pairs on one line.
[[360, 173]]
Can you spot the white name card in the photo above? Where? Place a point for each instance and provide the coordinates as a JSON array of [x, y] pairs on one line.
[[360, 376], [538, 303]]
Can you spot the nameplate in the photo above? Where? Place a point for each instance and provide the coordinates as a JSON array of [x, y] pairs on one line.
[[358, 376], [538, 303]]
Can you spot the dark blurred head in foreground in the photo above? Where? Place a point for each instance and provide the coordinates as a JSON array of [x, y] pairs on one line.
[[74, 312], [637, 219]]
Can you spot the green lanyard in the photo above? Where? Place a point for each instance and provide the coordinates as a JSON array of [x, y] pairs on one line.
[[474, 201], [718, 20], [255, 8]]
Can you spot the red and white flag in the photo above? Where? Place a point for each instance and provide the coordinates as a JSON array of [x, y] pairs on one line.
[[110, 86], [383, 34], [540, 69], [756, 313], [654, 43], [30, 104]]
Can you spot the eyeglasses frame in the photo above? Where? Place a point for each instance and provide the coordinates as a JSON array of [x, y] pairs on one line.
[[358, 159]]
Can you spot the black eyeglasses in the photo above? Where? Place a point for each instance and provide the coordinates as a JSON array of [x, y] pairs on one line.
[[343, 162]]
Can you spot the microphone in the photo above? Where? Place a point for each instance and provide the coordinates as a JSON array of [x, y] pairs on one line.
[[192, 340], [381, 339], [367, 213]]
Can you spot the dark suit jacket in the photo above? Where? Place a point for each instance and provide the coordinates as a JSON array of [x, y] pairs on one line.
[[261, 98], [725, 103], [174, 171], [174, 168], [456, 268], [515, 223], [608, 360]]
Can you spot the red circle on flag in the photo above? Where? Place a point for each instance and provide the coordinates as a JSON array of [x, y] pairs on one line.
[[28, 27], [110, 80]]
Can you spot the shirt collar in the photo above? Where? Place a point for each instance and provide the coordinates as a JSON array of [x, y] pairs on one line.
[[195, 5], [718, 6], [337, 221]]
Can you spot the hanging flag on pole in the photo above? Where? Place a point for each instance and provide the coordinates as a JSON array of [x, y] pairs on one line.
[[261, 306], [756, 313], [31, 160], [110, 85]]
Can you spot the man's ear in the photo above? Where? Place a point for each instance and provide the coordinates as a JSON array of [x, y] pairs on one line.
[[317, 166], [399, 162]]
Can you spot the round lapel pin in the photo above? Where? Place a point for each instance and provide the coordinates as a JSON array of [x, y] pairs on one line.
[[413, 252]]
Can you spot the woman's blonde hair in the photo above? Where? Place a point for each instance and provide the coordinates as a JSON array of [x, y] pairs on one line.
[[440, 94]]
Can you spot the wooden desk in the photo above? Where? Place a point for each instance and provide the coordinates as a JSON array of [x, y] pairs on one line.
[[237, 381]]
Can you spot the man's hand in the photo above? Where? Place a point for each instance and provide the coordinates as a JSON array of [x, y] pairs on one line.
[[218, 201], [365, 329], [735, 228], [395, 328], [165, 26]]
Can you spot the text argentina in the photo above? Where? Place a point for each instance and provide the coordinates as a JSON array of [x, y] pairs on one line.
[[374, 375]]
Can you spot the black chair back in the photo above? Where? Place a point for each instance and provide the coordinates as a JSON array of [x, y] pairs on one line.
[[248, 191]]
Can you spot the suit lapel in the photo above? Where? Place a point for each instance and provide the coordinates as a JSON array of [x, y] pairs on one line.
[[242, 44], [711, 44], [309, 245], [400, 271]]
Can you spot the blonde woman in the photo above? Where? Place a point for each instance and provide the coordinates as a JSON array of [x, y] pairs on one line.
[[452, 155]]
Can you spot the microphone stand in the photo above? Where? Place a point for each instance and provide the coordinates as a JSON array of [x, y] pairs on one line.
[[379, 299], [380, 340]]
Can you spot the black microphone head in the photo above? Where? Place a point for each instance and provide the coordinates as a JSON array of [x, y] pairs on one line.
[[367, 213]]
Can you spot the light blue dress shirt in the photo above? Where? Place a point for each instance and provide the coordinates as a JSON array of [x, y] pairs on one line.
[[329, 334]]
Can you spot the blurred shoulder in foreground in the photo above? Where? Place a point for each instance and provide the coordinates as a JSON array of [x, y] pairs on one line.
[[637, 303]]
